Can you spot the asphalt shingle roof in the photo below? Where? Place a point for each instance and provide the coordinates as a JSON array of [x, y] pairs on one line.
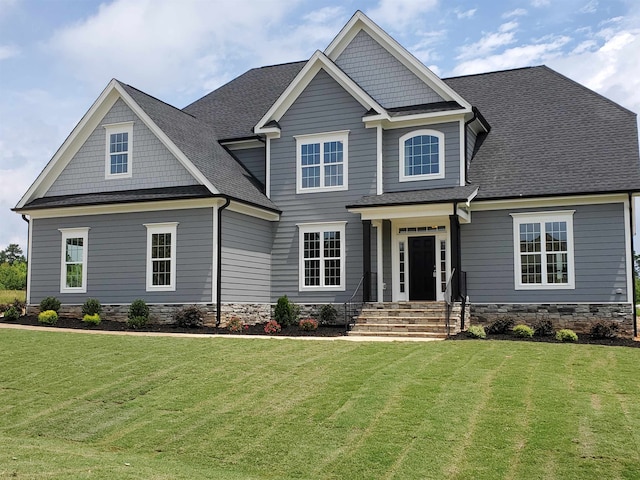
[[549, 136], [199, 142], [415, 197]]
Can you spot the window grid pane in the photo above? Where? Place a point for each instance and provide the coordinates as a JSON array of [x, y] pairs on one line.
[[118, 148], [544, 262], [421, 155], [74, 250], [322, 164], [402, 264], [161, 259], [322, 258]]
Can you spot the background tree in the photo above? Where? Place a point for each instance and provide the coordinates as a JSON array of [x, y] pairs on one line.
[[12, 254], [13, 268]]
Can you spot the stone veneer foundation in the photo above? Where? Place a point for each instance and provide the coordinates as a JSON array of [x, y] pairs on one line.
[[577, 317]]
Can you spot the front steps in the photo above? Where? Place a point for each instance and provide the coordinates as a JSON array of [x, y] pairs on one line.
[[406, 319]]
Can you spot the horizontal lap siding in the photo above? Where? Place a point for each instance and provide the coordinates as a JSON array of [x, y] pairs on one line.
[[323, 107], [116, 270], [391, 159], [599, 253], [254, 161], [85, 173], [246, 259]]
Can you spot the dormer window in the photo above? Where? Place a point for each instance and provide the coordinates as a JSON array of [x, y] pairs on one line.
[[421, 155], [322, 162], [119, 140]]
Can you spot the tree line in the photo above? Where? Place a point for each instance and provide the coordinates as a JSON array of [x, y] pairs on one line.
[[13, 268]]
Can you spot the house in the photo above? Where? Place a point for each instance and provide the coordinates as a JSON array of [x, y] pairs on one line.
[[355, 175]]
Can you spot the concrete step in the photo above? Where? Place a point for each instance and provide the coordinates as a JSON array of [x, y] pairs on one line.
[[399, 334], [395, 327], [363, 319], [403, 313]]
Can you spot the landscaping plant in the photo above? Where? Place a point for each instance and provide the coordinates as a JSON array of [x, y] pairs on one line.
[[138, 314], [236, 325], [286, 312], [189, 317], [500, 326], [523, 331], [308, 324], [602, 329], [476, 331], [91, 319], [566, 335], [543, 328], [50, 303], [328, 314], [48, 317], [91, 307], [12, 313], [272, 327]]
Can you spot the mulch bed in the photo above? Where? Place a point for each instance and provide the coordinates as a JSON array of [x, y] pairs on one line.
[[582, 338], [111, 326]]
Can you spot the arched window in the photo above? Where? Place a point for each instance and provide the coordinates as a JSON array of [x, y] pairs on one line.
[[421, 155]]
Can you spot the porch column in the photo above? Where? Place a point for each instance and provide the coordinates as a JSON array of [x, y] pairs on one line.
[[366, 260], [456, 256]]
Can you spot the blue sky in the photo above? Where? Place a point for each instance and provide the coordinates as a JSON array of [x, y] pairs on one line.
[[56, 56]]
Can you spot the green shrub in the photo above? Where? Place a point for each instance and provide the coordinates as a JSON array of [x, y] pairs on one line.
[[602, 329], [48, 317], [91, 319], [523, 331], [236, 325], [91, 307], [500, 326], [328, 314], [308, 324], [137, 322], [286, 313], [189, 317], [12, 313], [566, 335], [476, 331], [543, 328], [50, 303], [139, 308]]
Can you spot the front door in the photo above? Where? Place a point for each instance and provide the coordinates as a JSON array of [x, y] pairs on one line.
[[422, 265]]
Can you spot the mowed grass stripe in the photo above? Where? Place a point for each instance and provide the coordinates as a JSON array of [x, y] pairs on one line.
[[227, 408]]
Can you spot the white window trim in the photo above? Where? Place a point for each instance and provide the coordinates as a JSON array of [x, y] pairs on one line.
[[321, 228], [321, 138], [541, 218], [67, 233], [155, 228], [441, 156], [110, 129]]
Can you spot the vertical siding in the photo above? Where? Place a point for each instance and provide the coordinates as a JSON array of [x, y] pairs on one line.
[[382, 76], [254, 160], [116, 270], [599, 253], [391, 159], [324, 106], [246, 258], [153, 166]]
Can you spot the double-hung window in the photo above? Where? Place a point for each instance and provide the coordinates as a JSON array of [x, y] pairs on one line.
[[543, 244], [421, 155], [322, 162], [161, 256], [73, 271], [322, 256], [119, 144]]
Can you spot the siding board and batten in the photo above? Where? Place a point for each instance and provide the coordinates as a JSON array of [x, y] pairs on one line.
[[153, 166]]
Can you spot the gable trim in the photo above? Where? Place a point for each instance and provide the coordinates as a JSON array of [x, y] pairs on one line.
[[89, 122], [359, 21], [318, 61]]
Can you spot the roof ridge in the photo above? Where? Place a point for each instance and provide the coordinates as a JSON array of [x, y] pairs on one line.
[[495, 71], [155, 98]]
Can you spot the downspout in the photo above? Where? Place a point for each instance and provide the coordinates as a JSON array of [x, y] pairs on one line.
[[26, 278], [633, 281], [219, 265]]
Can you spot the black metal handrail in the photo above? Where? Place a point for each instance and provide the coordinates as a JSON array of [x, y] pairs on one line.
[[350, 306], [447, 299]]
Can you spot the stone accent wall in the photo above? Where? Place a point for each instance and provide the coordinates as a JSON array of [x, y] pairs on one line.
[[577, 317]]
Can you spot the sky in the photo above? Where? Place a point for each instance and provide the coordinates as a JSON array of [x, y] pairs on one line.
[[56, 56]]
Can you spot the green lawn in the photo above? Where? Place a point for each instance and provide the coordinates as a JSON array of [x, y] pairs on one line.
[[78, 406], [8, 296]]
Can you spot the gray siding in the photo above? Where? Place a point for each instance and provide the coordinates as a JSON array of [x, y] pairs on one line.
[[116, 270], [471, 143], [246, 258], [153, 166], [386, 260], [324, 106], [254, 160], [599, 248], [391, 159], [382, 76]]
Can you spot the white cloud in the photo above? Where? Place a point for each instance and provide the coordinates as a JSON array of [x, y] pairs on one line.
[[8, 51], [518, 12], [465, 14], [590, 7], [396, 14], [490, 42], [540, 3]]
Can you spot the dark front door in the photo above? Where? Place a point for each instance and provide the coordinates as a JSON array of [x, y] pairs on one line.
[[422, 263]]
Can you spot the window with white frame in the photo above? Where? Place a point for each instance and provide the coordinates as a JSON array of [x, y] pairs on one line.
[[421, 155], [322, 161], [73, 271], [161, 256], [322, 254], [543, 246], [119, 143]]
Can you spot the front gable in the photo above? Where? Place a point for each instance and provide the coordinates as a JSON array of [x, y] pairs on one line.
[[85, 172]]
